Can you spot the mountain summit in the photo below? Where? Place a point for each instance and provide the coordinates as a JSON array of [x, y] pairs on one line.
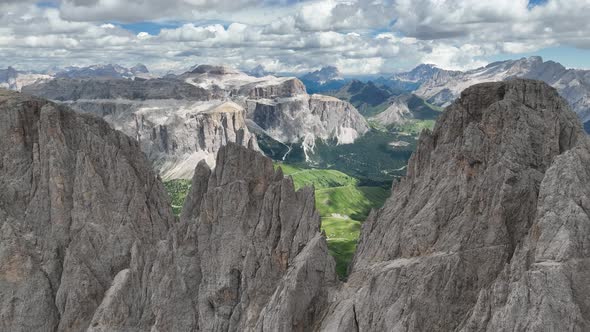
[[482, 233], [325, 79]]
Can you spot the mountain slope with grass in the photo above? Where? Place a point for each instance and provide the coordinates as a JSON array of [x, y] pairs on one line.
[[343, 205], [342, 201]]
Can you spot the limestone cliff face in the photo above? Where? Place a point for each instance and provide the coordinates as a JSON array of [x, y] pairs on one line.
[[305, 119], [176, 123], [76, 198], [89, 242], [284, 88], [171, 116], [282, 108], [247, 255], [175, 135], [479, 236]]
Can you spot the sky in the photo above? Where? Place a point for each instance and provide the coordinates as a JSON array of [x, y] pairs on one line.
[[360, 37]]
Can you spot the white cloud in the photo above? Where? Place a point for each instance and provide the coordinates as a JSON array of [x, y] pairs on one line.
[[358, 36]]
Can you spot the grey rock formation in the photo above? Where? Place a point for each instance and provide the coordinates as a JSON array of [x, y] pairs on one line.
[[422, 73], [176, 123], [89, 242], [488, 230], [246, 255], [65, 89], [179, 120], [264, 264], [104, 71], [397, 112], [175, 134], [76, 197], [13, 79], [305, 119]]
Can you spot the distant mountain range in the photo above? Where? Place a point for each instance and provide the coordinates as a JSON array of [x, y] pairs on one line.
[[326, 79], [182, 119], [104, 71], [13, 79], [440, 87]]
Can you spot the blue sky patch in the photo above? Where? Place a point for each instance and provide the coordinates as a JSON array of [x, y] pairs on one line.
[[533, 3]]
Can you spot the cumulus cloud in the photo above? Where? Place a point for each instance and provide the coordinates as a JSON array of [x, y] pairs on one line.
[[359, 37]]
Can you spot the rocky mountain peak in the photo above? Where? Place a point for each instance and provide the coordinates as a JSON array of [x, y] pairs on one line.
[[488, 231], [259, 71], [77, 197], [139, 68], [323, 75], [419, 74], [438, 249], [89, 242], [213, 70]]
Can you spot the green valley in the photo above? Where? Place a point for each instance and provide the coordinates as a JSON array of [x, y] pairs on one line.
[[177, 190], [343, 205], [341, 200]]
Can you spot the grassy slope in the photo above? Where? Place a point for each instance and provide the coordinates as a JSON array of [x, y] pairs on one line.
[[413, 127], [178, 190], [342, 204]]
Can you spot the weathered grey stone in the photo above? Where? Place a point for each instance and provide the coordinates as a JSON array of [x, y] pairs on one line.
[[180, 120], [305, 119], [76, 195], [89, 242], [246, 255], [434, 257]]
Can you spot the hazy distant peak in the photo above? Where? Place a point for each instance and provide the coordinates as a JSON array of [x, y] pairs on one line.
[[213, 70], [323, 75]]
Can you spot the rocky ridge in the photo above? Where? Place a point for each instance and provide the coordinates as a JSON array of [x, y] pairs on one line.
[[441, 86], [479, 236], [77, 197], [89, 242], [13, 79], [177, 124]]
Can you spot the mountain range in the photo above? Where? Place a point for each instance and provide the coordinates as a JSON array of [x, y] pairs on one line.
[[368, 130], [488, 230], [440, 87], [181, 119]]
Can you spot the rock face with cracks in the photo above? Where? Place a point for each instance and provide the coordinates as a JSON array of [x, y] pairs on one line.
[[489, 231], [89, 242], [76, 197]]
